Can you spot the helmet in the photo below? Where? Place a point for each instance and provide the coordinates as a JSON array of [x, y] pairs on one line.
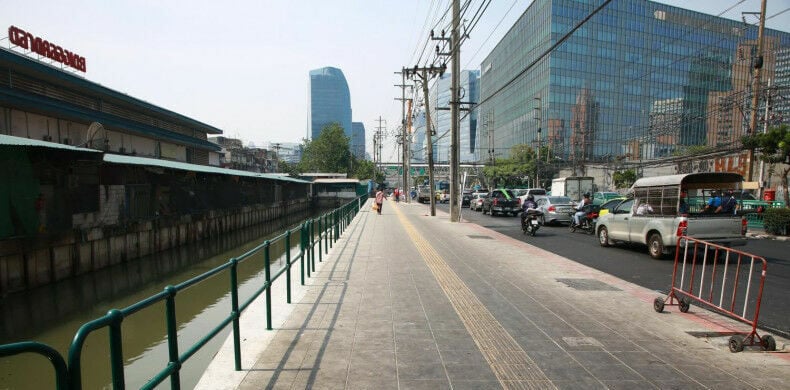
[[530, 197]]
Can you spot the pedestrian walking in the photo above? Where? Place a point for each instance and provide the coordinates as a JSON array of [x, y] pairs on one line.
[[379, 200]]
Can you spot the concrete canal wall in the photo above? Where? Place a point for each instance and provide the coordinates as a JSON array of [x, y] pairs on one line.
[[34, 261]]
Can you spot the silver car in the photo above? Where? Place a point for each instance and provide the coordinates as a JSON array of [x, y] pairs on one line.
[[556, 209], [476, 203]]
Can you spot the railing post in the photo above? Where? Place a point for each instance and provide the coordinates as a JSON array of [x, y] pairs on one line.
[[301, 252], [172, 337], [312, 243], [305, 232], [116, 349], [268, 274], [326, 234], [320, 241], [234, 312], [288, 266]]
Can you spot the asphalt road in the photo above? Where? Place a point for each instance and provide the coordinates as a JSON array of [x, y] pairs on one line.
[[635, 265]]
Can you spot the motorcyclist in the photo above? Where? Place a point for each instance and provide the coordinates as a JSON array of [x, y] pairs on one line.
[[529, 206], [580, 210]]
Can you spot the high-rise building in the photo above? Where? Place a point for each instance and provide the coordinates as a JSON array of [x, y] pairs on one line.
[[330, 101], [358, 140], [439, 95], [633, 78]]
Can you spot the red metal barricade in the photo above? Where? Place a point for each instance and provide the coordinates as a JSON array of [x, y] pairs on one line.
[[724, 279]]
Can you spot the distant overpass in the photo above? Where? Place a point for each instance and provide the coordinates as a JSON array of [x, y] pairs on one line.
[[393, 171]]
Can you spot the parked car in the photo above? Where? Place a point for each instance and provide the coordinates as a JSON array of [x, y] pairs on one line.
[[466, 198], [501, 201], [609, 204], [555, 209], [603, 197], [477, 201]]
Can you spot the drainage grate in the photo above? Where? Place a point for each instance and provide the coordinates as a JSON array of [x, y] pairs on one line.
[[705, 335], [481, 237], [588, 285], [581, 341]]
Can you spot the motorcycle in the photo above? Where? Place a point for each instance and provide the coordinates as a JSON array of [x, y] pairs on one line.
[[587, 222], [529, 222]]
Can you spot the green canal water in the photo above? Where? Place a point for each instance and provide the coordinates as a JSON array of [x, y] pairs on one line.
[[53, 314]]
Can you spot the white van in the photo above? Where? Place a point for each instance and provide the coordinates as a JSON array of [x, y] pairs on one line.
[[660, 209]]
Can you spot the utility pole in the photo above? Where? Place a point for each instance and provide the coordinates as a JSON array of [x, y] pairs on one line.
[[757, 66], [422, 73], [404, 135], [378, 145], [455, 74], [276, 147], [537, 162]]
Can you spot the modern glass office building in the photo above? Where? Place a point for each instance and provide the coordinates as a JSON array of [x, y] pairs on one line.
[[439, 96], [639, 80], [330, 100], [358, 140]]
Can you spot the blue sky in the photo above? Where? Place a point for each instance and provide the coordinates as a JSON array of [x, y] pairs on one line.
[[242, 66]]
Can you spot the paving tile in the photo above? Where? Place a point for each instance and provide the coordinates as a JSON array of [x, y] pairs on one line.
[[637, 358], [423, 384], [657, 371], [630, 385], [611, 372], [594, 358], [476, 384], [355, 383], [465, 372], [463, 357], [587, 383], [567, 372], [268, 379], [679, 384], [411, 369]]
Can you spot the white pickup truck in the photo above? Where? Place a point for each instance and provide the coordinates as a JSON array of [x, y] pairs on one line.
[[660, 209]]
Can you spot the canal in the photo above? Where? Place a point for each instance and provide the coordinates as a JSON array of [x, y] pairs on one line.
[[53, 314]]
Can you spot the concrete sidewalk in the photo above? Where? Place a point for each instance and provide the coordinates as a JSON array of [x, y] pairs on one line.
[[408, 301]]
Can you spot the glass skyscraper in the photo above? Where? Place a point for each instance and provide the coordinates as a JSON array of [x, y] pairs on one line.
[[639, 80], [330, 101], [439, 96], [358, 140]]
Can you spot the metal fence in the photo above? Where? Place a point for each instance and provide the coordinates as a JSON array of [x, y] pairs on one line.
[[321, 232]]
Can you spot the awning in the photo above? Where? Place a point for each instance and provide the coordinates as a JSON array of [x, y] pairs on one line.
[[10, 140], [134, 160]]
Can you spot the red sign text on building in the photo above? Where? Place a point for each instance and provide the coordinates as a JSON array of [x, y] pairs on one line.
[[40, 46]]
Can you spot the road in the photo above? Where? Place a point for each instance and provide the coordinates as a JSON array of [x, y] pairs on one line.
[[635, 265]]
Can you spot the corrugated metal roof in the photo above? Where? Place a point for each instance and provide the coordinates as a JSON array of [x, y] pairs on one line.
[[21, 141], [134, 160], [355, 181]]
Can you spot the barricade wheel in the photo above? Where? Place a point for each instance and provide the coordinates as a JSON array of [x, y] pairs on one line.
[[736, 344], [684, 305], [769, 343], [658, 304]]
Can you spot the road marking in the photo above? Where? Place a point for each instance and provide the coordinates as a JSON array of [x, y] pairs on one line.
[[512, 366]]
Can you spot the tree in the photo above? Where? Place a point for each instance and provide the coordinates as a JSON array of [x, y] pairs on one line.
[[513, 171], [624, 179], [291, 169], [328, 153], [365, 169], [774, 147]]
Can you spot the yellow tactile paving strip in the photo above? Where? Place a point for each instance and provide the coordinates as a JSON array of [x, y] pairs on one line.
[[511, 365]]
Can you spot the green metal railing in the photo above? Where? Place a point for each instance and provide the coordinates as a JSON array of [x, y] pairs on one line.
[[322, 231]]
